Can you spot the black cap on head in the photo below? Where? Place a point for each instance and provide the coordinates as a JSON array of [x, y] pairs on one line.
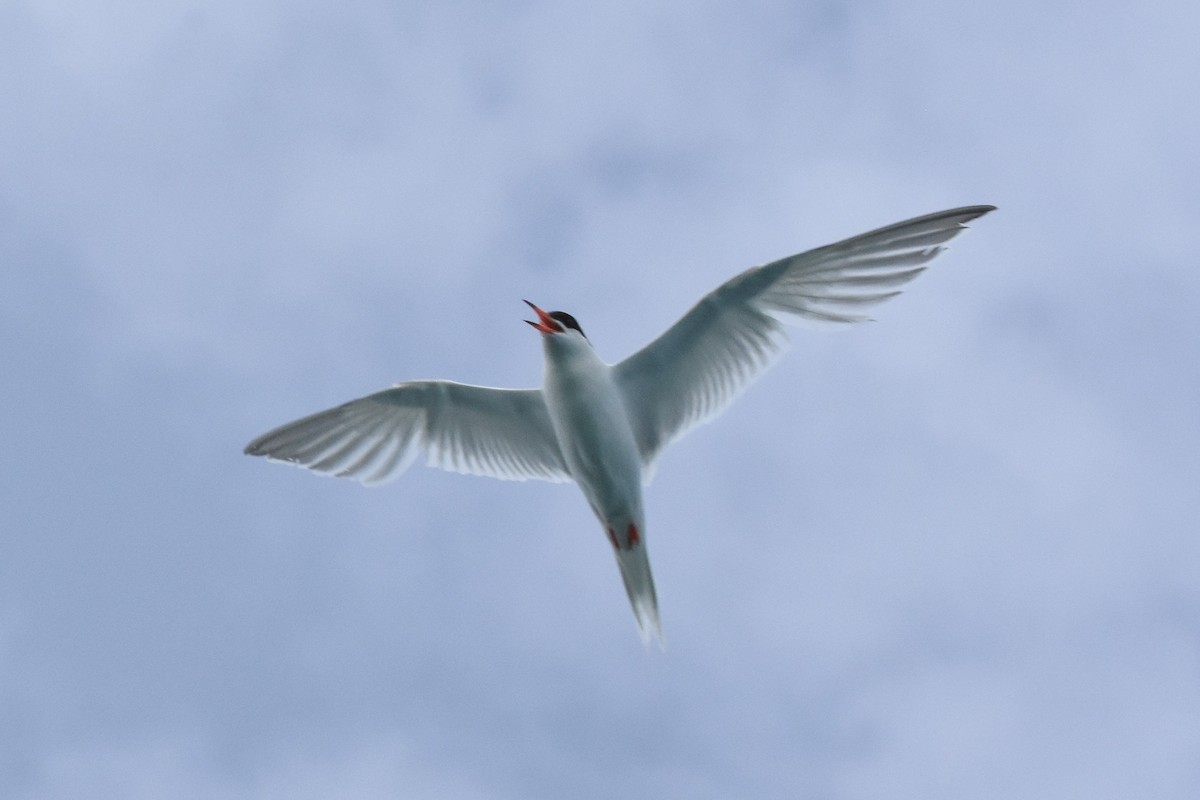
[[567, 321]]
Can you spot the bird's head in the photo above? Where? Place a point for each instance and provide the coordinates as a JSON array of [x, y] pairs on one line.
[[554, 323]]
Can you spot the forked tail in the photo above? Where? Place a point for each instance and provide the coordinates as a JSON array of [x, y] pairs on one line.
[[639, 585]]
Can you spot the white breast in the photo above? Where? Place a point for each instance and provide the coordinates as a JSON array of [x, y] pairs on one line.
[[592, 425]]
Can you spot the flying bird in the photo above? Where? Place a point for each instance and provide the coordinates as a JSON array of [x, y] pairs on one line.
[[603, 425]]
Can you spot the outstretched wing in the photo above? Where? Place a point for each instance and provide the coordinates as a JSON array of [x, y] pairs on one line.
[[502, 433], [700, 364]]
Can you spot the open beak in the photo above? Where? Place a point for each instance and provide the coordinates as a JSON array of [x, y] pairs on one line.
[[545, 323]]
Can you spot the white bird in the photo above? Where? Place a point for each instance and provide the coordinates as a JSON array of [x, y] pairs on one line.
[[604, 425]]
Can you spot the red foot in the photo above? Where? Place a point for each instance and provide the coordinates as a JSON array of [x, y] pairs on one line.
[[612, 537], [634, 537]]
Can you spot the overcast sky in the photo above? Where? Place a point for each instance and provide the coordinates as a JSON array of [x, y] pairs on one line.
[[952, 553]]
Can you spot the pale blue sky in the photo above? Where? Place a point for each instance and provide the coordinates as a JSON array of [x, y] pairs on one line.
[[952, 553]]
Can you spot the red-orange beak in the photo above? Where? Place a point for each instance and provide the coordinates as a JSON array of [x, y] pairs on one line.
[[545, 323]]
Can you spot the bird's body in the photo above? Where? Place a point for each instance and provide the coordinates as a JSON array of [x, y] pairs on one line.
[[592, 426], [603, 426]]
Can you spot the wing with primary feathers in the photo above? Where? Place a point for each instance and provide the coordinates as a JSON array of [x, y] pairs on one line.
[[697, 367], [501, 433]]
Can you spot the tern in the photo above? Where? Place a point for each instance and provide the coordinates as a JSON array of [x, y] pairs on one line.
[[603, 425]]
